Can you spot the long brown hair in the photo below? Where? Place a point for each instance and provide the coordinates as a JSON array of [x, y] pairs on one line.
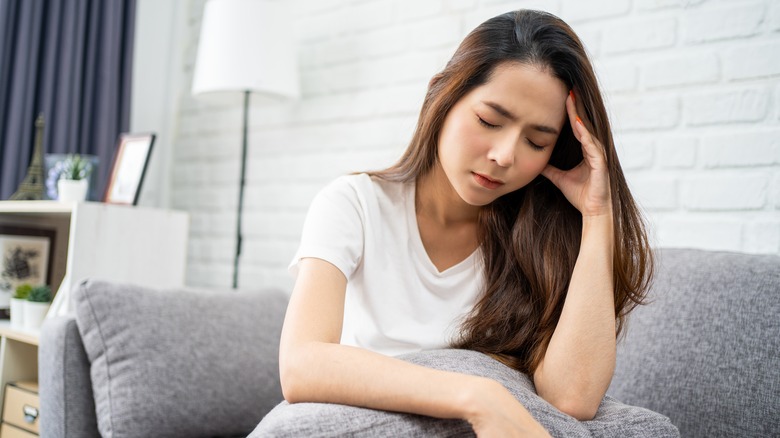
[[530, 238]]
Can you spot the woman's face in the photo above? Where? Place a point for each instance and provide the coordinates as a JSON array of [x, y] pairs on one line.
[[499, 136]]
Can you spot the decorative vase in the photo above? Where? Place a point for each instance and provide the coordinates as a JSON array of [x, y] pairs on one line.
[[69, 190], [17, 313], [34, 314]]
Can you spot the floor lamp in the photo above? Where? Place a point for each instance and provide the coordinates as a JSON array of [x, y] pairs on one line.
[[245, 46]]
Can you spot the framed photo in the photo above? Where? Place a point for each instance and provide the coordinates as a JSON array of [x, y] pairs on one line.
[[26, 256], [128, 170]]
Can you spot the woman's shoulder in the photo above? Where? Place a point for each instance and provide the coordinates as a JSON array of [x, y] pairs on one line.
[[365, 185]]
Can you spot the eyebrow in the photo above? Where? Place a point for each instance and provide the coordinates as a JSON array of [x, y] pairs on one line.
[[505, 112]]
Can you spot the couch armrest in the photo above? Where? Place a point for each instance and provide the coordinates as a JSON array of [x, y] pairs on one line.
[[67, 404]]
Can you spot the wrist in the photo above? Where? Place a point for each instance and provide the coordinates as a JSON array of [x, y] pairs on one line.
[[604, 221], [598, 232], [473, 401], [488, 405], [597, 213]]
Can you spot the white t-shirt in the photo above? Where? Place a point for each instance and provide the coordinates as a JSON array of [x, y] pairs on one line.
[[396, 299]]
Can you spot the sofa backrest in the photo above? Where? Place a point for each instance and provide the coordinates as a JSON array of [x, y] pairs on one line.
[[706, 351]]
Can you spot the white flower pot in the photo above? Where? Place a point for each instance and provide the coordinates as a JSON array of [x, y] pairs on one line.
[[69, 190], [34, 314], [17, 313]]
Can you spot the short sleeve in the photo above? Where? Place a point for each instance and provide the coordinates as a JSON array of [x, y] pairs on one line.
[[333, 230]]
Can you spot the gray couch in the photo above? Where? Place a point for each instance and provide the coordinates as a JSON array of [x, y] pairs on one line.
[[702, 358]]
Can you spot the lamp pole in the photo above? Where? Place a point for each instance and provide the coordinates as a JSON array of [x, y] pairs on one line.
[[242, 183], [244, 47]]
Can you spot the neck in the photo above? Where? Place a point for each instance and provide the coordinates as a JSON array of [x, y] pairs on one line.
[[438, 201]]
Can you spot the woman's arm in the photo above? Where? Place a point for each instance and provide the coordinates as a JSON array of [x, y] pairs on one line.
[[580, 359], [314, 367]]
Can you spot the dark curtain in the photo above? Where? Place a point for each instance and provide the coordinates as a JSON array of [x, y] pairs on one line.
[[72, 61]]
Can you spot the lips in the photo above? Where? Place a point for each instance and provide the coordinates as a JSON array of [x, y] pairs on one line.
[[486, 181]]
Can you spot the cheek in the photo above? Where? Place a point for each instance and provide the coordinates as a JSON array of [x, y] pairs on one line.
[[535, 162], [460, 137]]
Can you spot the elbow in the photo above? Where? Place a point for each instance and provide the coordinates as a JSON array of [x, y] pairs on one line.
[[290, 391], [578, 397], [302, 376], [582, 410], [578, 403], [290, 378]]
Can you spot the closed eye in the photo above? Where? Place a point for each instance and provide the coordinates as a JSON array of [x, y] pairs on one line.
[[486, 124], [535, 146]]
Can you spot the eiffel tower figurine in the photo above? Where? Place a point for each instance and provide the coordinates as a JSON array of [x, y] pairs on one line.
[[31, 188]]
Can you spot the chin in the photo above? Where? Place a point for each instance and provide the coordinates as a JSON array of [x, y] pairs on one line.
[[478, 204], [477, 201]]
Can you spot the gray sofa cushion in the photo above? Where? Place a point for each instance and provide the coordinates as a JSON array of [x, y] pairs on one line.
[[68, 409], [180, 362], [613, 419], [705, 352]]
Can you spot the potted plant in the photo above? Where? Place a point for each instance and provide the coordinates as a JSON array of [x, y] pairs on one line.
[[73, 182], [36, 306], [17, 304]]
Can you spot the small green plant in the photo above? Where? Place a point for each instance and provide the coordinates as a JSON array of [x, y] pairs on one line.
[[40, 294], [74, 167], [23, 291]]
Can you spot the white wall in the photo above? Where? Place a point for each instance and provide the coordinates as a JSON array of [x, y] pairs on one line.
[[693, 88], [157, 73]]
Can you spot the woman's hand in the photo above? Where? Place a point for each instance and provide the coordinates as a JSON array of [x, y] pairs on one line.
[[586, 186], [496, 413]]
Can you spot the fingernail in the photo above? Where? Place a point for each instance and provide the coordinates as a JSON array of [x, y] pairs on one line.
[[579, 120], [571, 93]]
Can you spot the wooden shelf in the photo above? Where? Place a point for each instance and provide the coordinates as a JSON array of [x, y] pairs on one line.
[[36, 207], [26, 336]]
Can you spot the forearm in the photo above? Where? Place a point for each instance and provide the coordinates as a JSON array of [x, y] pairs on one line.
[[580, 359], [334, 373]]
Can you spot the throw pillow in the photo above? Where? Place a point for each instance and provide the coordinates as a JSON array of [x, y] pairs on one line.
[[613, 418], [180, 362]]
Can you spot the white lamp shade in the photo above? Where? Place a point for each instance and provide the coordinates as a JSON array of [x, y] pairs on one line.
[[246, 45]]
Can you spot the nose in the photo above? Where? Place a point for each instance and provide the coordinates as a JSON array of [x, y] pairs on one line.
[[502, 152]]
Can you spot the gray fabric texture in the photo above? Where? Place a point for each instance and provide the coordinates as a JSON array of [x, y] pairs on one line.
[[705, 352], [183, 362], [613, 419], [65, 391]]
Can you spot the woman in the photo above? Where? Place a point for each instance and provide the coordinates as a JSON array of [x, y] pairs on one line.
[[506, 227]]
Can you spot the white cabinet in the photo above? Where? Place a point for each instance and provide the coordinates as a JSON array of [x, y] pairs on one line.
[[139, 245]]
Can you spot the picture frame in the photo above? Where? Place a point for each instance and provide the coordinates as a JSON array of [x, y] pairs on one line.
[[129, 168], [26, 256]]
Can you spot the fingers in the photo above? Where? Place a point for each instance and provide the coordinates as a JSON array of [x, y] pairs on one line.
[[571, 110], [553, 174], [578, 110], [591, 147]]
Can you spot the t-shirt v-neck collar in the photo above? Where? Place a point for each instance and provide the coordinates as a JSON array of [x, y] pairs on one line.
[[417, 243]]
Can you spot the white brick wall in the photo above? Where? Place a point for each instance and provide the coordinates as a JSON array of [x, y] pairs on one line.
[[692, 86]]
